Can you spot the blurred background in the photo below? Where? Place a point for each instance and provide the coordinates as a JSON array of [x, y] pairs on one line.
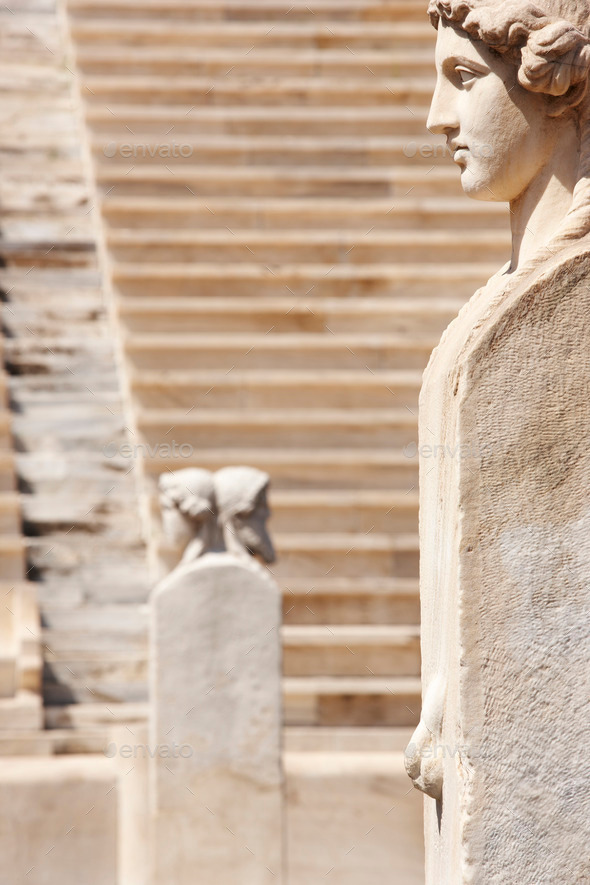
[[226, 237]]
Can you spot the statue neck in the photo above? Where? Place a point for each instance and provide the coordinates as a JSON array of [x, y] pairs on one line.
[[536, 215]]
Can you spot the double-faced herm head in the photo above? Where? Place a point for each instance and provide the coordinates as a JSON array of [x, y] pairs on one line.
[[187, 501], [243, 511], [511, 93]]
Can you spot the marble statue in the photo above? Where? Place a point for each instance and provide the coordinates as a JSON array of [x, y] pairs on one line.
[[241, 495], [500, 751], [225, 511], [216, 782], [187, 503]]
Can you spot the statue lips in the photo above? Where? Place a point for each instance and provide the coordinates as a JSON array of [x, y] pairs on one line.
[[460, 154]]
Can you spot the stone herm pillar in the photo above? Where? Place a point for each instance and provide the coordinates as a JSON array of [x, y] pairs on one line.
[[216, 785], [501, 749]]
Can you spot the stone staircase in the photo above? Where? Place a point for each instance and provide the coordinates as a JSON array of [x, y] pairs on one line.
[[69, 540], [285, 243]]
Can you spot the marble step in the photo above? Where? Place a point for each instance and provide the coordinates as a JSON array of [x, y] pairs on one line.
[[73, 474], [283, 92], [283, 214], [352, 601], [274, 428], [350, 555], [337, 650], [43, 231], [237, 10], [59, 742], [352, 701], [47, 309], [279, 389], [210, 314], [308, 247], [257, 152], [302, 281], [143, 179], [50, 186], [317, 468], [282, 351], [44, 253], [215, 61], [40, 283], [324, 739], [114, 123], [384, 36], [291, 428]]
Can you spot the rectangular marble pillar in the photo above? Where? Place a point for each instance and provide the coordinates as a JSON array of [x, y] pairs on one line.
[[216, 786], [505, 584]]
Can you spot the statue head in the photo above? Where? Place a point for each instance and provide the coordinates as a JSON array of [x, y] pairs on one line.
[[241, 494], [187, 500], [512, 77]]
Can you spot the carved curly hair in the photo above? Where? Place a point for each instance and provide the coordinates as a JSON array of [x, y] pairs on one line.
[[553, 58]]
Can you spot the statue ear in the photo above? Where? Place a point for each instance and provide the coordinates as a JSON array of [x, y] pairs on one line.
[[556, 62], [558, 105]]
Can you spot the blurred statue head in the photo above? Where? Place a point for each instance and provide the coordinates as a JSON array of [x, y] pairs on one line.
[[187, 500], [243, 511]]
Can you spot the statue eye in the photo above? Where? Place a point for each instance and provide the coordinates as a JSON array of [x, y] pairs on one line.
[[466, 76]]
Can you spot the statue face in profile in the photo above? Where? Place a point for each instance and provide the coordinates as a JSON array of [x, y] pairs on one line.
[[500, 135], [243, 511], [511, 99], [251, 531], [187, 502]]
